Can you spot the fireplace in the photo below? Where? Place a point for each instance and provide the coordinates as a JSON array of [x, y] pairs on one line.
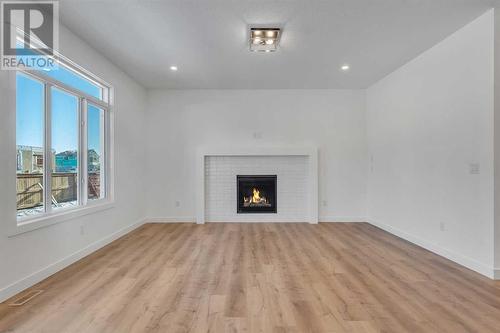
[[256, 194]]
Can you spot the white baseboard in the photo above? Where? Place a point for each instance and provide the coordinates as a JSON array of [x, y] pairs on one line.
[[448, 254], [32, 279], [171, 219], [342, 218], [258, 221], [189, 219]]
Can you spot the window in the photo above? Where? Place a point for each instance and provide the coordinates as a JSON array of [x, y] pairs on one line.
[[62, 131], [39, 161]]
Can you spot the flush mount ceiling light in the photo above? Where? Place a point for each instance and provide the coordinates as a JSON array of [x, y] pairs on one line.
[[345, 67], [173, 68], [264, 39]]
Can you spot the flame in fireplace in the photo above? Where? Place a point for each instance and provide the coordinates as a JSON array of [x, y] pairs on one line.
[[255, 199], [256, 196]]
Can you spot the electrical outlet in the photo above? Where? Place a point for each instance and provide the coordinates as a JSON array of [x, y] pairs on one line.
[[257, 135], [474, 168], [324, 203], [442, 226], [177, 204]]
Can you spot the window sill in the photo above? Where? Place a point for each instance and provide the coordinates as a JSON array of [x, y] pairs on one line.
[[47, 220]]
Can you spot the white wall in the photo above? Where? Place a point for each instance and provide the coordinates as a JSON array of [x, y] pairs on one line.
[[180, 121], [497, 142], [426, 123], [26, 258]]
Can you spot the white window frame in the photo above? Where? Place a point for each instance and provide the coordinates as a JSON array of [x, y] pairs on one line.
[[85, 206]]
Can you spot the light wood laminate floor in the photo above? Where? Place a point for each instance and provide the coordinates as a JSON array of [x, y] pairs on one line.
[[331, 277]]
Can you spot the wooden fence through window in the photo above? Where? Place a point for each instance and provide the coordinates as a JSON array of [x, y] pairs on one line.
[[64, 188]]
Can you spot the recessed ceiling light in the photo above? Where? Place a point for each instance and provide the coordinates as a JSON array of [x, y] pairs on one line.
[[345, 67], [264, 39], [173, 68]]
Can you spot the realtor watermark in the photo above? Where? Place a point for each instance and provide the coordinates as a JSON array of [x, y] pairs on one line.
[[29, 35]]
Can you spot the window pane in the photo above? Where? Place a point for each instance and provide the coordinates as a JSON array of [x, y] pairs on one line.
[[75, 80], [65, 148], [66, 75], [95, 152], [30, 104]]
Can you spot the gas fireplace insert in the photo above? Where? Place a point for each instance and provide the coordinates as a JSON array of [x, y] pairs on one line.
[[256, 194]]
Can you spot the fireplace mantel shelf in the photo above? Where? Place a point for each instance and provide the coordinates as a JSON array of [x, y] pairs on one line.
[[310, 152]]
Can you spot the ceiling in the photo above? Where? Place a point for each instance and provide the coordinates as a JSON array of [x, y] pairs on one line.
[[207, 39]]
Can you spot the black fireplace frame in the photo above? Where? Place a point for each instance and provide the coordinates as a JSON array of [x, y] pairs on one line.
[[257, 210]]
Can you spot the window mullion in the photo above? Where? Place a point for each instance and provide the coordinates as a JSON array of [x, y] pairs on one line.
[[109, 154], [83, 139], [104, 155], [47, 146]]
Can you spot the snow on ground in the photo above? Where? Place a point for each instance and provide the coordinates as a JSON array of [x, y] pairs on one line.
[[39, 210]]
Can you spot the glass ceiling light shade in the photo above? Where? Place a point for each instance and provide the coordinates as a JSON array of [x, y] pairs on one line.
[[264, 39]]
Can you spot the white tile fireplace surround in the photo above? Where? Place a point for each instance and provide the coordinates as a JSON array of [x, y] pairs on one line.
[[297, 183]]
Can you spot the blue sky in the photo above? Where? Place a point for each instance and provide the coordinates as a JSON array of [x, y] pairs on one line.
[[29, 121]]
